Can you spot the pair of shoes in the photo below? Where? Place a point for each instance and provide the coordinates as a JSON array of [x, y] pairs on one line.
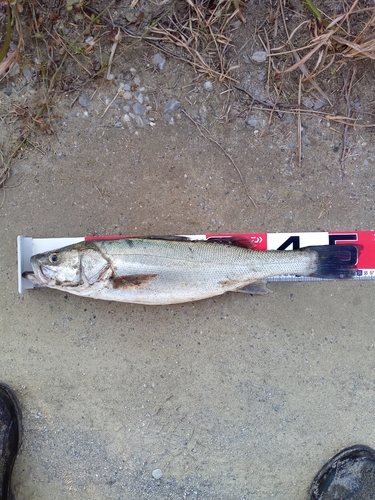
[[10, 437], [349, 475]]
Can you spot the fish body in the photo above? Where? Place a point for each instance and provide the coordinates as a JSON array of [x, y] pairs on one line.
[[164, 271]]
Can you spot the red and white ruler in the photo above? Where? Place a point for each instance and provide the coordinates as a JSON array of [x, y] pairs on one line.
[[365, 267]]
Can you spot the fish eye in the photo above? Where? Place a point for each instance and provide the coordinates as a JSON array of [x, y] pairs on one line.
[[54, 258]]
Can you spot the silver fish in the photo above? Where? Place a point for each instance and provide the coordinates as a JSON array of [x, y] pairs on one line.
[[169, 271]]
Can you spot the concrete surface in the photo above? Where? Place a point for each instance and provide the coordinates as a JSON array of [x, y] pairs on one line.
[[232, 398]]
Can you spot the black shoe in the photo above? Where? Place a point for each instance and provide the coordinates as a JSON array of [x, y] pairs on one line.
[[349, 475], [10, 437]]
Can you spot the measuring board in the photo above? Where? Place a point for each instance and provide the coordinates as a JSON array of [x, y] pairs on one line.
[[365, 266]]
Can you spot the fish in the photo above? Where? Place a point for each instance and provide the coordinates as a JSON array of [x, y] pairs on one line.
[[171, 270]]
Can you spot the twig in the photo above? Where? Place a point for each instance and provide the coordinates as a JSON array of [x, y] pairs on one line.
[[101, 194], [60, 40], [348, 89], [3, 200], [299, 131], [120, 91], [210, 138], [35, 146], [256, 99], [113, 50]]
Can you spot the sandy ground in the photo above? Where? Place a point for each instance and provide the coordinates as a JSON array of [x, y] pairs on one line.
[[236, 397]]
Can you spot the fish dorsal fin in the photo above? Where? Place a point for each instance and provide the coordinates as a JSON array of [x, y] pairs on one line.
[[166, 237], [239, 241]]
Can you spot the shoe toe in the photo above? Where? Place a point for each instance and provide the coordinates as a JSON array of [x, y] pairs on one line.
[[349, 475]]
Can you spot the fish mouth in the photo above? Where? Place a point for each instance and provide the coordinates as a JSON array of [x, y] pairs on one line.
[[35, 278], [40, 275], [29, 275]]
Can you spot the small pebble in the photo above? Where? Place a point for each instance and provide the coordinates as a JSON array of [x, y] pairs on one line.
[[169, 120], [138, 120], [15, 69], [208, 86], [159, 61], [84, 100], [90, 40], [319, 104], [157, 474], [139, 97], [252, 122], [259, 56], [118, 124], [172, 105], [28, 74], [308, 102], [136, 80], [127, 95], [139, 109]]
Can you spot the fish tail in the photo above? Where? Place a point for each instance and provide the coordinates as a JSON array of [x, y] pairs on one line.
[[336, 261]]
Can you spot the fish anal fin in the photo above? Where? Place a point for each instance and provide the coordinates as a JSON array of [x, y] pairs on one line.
[[256, 288]]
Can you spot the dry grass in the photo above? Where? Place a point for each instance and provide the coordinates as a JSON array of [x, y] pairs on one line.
[[330, 40], [202, 31], [318, 43], [7, 60], [48, 52], [197, 32]]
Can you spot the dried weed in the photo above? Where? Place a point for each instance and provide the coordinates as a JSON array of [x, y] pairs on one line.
[[330, 37]]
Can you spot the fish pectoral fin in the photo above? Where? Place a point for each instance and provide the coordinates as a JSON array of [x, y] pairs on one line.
[[256, 288], [132, 280]]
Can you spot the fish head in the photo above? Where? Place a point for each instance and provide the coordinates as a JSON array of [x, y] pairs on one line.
[[75, 265]]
